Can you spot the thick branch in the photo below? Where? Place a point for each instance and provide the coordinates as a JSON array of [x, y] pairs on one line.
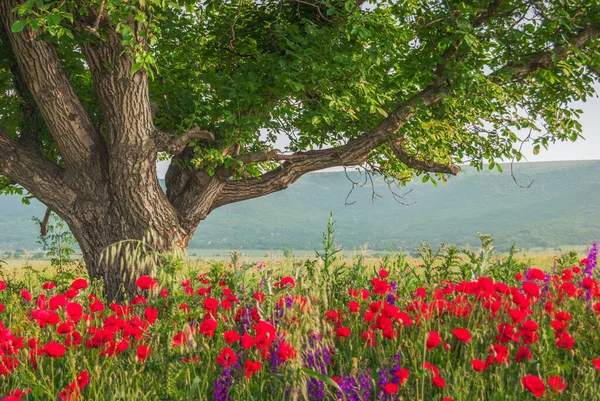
[[177, 144], [79, 142], [268, 155], [38, 175]]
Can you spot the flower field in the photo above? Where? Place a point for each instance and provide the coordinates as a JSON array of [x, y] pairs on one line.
[[452, 329]]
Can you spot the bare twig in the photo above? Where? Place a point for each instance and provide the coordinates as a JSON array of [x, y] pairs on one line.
[[44, 222]]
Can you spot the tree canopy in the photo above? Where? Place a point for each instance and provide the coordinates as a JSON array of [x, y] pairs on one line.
[[322, 73]]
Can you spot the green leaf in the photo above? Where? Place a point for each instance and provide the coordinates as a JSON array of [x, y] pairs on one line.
[[536, 149], [192, 393], [323, 378], [136, 67], [18, 26]]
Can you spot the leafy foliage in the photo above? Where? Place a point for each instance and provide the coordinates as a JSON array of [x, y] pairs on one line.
[[321, 73]]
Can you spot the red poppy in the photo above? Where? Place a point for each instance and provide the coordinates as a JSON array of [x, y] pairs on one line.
[[26, 295], [227, 357], [286, 351], [433, 340], [285, 281], [251, 367], [403, 374], [231, 336], [151, 314], [2, 285], [146, 282], [208, 327], [383, 273], [79, 284], [211, 304], [565, 341], [247, 341], [142, 352], [438, 381], [259, 296], [462, 334], [354, 306], [342, 332], [534, 384], [596, 363], [179, 339], [74, 311], [557, 383], [48, 285], [54, 349], [523, 353], [500, 353], [478, 365], [390, 388], [430, 366]]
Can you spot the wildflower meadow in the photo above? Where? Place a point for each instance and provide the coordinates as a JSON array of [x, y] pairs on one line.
[[464, 328]]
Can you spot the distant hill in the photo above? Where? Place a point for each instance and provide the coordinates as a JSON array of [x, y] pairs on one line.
[[561, 208]]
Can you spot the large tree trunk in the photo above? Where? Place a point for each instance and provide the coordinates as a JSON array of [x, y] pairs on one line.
[[118, 248]]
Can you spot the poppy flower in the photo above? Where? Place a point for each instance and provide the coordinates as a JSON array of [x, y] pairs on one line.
[[247, 341], [227, 357], [48, 285], [438, 381], [211, 304], [179, 339], [383, 273], [390, 388], [74, 311], [146, 282], [565, 341], [523, 353], [534, 384], [208, 327], [259, 296], [430, 366], [557, 383], [142, 352], [151, 314], [286, 351], [462, 334], [433, 340], [354, 306], [403, 375], [478, 365], [54, 349], [26, 295], [79, 284], [342, 332], [252, 367], [596, 363], [231, 336]]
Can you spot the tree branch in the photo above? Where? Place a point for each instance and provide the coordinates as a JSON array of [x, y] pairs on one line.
[[80, 143], [268, 155], [38, 175], [177, 144]]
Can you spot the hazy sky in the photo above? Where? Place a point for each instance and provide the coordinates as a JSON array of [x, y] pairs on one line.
[[582, 149]]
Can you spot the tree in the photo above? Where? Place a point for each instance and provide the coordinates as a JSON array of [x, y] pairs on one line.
[[94, 91]]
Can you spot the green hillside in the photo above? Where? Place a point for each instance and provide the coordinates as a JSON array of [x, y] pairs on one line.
[[559, 209]]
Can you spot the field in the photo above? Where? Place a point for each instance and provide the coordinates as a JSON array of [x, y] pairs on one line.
[[446, 326]]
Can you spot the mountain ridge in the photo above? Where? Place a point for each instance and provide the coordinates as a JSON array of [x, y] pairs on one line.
[[560, 209]]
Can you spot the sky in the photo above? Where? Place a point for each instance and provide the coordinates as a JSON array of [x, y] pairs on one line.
[[582, 149]]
